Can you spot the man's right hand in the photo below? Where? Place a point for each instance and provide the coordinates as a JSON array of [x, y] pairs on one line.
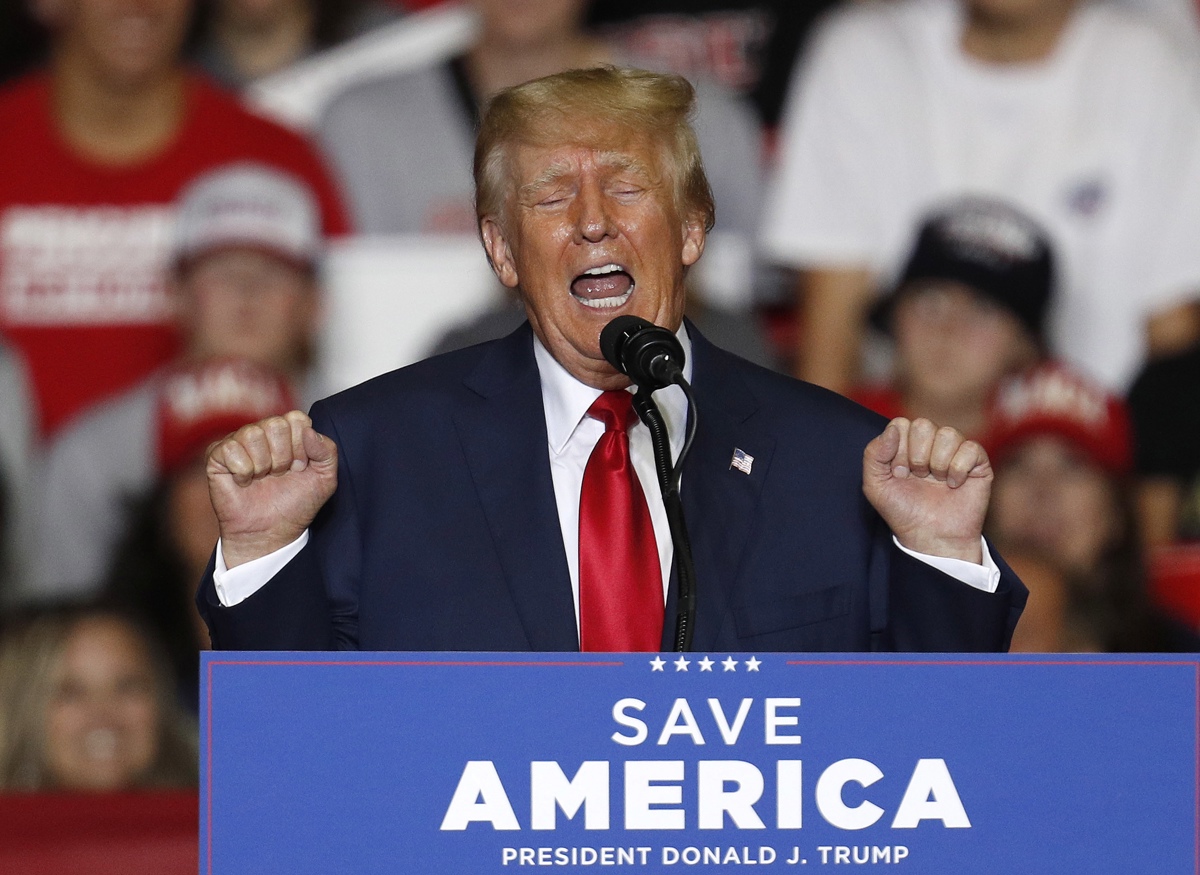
[[267, 481]]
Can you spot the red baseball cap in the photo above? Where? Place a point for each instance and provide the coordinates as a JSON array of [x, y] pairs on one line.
[[1053, 400], [199, 403]]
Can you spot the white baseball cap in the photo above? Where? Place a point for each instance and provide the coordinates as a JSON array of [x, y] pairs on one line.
[[251, 205]]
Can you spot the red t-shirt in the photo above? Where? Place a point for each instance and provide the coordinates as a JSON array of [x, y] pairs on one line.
[[84, 247]]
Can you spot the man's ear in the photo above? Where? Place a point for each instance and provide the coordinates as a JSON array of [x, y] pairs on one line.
[[694, 236], [499, 254]]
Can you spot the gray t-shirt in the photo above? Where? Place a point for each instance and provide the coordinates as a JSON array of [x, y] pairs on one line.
[[17, 473], [93, 471]]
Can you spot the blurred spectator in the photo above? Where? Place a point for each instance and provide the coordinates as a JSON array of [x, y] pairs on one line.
[[242, 40], [95, 149], [967, 311], [247, 248], [1062, 451], [246, 256], [1052, 622], [1083, 114], [403, 144], [748, 46], [170, 527], [1165, 403], [85, 704]]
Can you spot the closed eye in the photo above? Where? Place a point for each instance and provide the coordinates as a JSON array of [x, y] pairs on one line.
[[626, 192], [549, 197]]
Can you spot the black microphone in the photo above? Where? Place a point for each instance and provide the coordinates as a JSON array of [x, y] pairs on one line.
[[648, 354], [652, 357]]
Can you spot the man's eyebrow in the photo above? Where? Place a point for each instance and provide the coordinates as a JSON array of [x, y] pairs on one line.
[[624, 162], [556, 170], [549, 176]]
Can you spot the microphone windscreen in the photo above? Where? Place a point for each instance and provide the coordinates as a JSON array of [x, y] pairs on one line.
[[614, 336]]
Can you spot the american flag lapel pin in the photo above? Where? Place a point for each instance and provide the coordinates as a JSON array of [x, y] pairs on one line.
[[742, 460]]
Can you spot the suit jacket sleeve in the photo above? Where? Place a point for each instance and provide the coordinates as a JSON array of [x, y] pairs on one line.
[[294, 610], [929, 611]]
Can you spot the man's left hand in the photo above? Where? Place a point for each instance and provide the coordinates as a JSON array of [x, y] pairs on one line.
[[931, 486]]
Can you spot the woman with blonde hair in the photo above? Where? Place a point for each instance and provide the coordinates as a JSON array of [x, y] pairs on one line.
[[86, 704]]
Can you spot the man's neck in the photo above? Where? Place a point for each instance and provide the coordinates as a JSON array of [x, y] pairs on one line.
[[257, 47], [116, 123], [493, 66], [1024, 39], [565, 397]]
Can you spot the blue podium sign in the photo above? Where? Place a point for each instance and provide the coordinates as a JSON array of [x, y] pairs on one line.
[[496, 763]]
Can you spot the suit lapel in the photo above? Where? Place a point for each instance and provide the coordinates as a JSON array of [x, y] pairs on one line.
[[504, 440], [721, 502]]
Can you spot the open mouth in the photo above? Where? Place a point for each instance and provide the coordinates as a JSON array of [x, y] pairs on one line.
[[603, 288]]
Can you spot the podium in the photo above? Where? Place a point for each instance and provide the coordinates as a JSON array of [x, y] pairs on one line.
[[488, 763]]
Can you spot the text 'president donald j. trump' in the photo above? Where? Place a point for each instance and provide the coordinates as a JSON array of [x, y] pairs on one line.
[[504, 497]]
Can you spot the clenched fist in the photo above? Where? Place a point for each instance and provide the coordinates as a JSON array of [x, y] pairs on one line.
[[267, 481], [931, 486]]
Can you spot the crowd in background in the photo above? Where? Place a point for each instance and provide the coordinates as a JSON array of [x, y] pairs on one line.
[[985, 212]]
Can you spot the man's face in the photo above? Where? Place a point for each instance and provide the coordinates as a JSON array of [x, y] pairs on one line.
[[102, 720], [955, 344], [123, 40], [1051, 498], [243, 303], [590, 232]]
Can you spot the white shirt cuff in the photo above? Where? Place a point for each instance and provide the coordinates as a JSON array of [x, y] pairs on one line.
[[235, 585], [985, 577]]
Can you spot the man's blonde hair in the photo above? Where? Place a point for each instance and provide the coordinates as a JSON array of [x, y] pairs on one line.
[[547, 111]]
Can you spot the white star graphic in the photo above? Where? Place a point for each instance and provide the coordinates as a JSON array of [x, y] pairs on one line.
[[730, 663], [657, 664], [681, 664], [706, 664], [753, 663]]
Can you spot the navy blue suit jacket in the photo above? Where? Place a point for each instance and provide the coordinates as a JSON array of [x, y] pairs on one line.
[[443, 533]]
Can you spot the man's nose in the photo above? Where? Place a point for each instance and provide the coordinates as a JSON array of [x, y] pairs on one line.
[[594, 220]]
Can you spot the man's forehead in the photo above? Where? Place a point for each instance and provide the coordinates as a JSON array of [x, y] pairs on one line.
[[633, 152]]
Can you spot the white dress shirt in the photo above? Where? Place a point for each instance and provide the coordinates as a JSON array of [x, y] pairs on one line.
[[571, 436]]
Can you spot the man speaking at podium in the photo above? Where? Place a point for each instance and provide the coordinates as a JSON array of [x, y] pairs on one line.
[[503, 497]]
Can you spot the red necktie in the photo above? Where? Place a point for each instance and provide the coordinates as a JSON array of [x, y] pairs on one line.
[[620, 582]]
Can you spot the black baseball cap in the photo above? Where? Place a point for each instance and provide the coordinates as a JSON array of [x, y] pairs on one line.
[[988, 246]]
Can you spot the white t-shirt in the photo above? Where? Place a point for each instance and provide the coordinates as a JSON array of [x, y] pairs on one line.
[[1100, 143]]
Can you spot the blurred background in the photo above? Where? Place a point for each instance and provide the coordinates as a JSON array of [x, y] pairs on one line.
[[986, 212]]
